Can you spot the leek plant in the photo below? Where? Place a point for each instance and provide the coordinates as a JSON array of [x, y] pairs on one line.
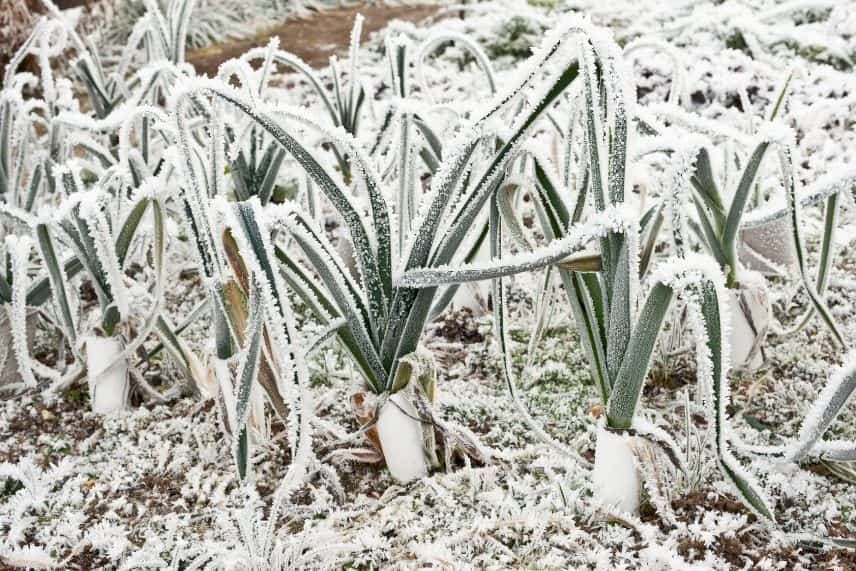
[[20, 180], [739, 248], [252, 342], [100, 192], [600, 259], [256, 344], [598, 262], [164, 35], [829, 191], [719, 229], [382, 317], [100, 238], [383, 320], [22, 172]]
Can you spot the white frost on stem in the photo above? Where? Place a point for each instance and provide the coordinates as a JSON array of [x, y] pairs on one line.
[[19, 250]]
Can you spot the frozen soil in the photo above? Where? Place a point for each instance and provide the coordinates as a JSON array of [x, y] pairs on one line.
[[156, 487], [141, 488]]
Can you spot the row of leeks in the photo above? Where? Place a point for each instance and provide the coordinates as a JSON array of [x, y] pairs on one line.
[[204, 159]]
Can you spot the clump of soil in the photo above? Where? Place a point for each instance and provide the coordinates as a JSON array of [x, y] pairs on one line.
[[459, 326], [695, 504], [52, 418], [667, 380]]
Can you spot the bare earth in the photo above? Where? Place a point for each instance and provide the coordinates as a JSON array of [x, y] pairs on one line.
[[314, 38]]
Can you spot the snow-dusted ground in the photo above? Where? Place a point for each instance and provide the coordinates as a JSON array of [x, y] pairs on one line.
[[157, 487]]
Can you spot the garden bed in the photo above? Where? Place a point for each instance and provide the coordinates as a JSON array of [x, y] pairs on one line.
[[159, 485]]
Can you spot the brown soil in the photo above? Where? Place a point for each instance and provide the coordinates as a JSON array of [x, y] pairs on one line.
[[459, 326], [54, 419], [314, 38], [746, 546], [66, 4], [665, 382], [695, 504]]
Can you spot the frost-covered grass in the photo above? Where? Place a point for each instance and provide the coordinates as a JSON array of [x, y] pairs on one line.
[[207, 470]]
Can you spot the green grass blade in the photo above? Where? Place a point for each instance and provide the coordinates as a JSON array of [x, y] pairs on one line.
[[475, 199], [129, 229], [650, 227], [33, 187], [703, 182], [323, 306], [548, 186], [449, 293], [825, 409], [583, 290], [40, 291], [827, 247], [711, 238], [405, 299], [271, 171], [340, 286], [619, 323], [576, 239], [587, 303], [500, 320], [168, 334], [434, 142]]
